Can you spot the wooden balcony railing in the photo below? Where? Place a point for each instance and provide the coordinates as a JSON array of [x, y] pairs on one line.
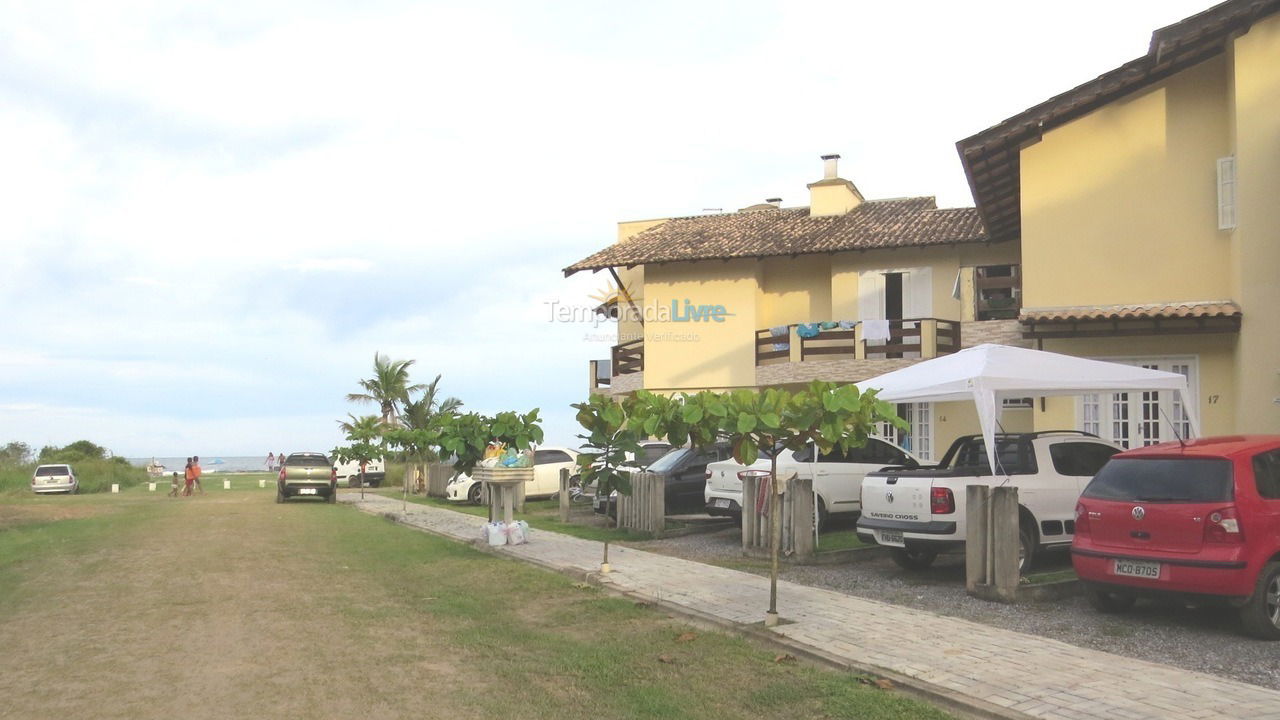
[[601, 374], [628, 357], [997, 292], [907, 339]]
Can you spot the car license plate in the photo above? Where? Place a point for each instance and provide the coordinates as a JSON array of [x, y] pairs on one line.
[[1138, 568], [721, 503], [307, 491], [891, 537]]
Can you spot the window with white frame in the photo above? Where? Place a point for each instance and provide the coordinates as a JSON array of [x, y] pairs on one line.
[[1227, 192], [918, 437], [1134, 419]]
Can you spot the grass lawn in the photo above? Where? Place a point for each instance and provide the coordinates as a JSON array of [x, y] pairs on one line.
[[228, 605]]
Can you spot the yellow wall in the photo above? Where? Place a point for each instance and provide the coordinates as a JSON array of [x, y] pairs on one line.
[[1120, 206], [1256, 74], [629, 325], [943, 261], [794, 290], [705, 354]]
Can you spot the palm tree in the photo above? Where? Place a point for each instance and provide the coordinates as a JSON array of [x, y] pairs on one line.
[[424, 413], [389, 387], [364, 426]]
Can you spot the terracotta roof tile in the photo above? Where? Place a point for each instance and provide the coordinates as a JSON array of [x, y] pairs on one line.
[[907, 222], [1212, 308]]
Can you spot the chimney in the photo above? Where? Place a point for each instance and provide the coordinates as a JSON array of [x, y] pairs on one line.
[[832, 195], [768, 204], [776, 202]]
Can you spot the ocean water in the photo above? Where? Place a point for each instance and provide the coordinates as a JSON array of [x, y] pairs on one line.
[[209, 463]]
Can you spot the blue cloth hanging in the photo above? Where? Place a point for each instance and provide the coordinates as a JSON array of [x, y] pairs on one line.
[[829, 325], [808, 330], [848, 324], [782, 331]]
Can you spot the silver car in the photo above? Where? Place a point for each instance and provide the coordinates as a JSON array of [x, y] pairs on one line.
[[54, 479]]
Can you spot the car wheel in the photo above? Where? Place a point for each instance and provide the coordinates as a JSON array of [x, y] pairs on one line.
[[1026, 552], [473, 493], [1261, 615], [913, 558], [1106, 600]]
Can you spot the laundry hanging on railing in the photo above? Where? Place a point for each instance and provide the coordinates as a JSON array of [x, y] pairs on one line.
[[808, 330], [782, 331], [848, 324], [875, 330], [828, 325]]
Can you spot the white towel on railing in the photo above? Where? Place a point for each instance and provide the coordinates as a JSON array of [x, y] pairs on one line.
[[875, 330]]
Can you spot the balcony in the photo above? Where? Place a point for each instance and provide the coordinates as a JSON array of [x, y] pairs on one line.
[[997, 291], [909, 339]]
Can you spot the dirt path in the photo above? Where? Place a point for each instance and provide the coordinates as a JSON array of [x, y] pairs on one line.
[[214, 607]]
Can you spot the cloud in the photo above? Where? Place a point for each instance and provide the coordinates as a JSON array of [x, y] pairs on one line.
[[328, 265], [217, 212]]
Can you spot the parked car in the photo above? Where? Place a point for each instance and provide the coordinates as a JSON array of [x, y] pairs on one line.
[[920, 512], [1199, 520], [348, 473], [837, 477], [58, 478], [547, 463], [684, 472], [307, 474]]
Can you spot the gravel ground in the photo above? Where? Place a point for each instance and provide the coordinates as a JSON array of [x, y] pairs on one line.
[[1206, 639]]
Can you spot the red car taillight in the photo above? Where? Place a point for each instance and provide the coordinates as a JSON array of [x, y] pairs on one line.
[[1223, 526], [941, 501], [708, 477], [1082, 520]]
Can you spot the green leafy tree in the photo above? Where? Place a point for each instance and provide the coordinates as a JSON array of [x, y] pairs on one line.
[[425, 416], [466, 436], [15, 453], [610, 436], [364, 442], [389, 388]]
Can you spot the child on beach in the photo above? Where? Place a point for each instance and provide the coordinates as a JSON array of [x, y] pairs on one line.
[[190, 477], [173, 486], [196, 471]]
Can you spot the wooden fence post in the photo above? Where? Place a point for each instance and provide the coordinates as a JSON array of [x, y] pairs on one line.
[[564, 495], [802, 522], [749, 517]]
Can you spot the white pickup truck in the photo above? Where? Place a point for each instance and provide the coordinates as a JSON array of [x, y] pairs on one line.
[[919, 513], [837, 477]]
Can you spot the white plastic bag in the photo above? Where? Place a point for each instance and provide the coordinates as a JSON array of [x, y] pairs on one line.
[[496, 533], [518, 532]]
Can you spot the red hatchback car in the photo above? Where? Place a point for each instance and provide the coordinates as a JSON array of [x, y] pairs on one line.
[[1200, 520]]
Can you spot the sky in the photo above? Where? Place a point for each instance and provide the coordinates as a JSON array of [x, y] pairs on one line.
[[213, 215]]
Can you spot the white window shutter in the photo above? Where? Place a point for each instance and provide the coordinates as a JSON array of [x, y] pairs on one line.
[[1227, 193], [870, 296], [919, 293]]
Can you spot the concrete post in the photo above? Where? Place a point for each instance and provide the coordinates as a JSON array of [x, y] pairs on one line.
[[928, 339], [859, 346], [976, 535], [749, 516], [564, 495], [1004, 537]]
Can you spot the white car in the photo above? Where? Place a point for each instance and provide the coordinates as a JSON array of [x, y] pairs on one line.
[[920, 513], [547, 463], [54, 479], [837, 477]]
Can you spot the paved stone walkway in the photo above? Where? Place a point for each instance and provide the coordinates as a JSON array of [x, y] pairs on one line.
[[1031, 675]]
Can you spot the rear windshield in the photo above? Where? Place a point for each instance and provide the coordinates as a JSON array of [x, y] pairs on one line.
[[308, 460], [668, 462], [1014, 456], [50, 470], [1173, 480]]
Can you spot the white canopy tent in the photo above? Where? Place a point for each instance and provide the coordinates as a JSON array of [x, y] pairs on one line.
[[988, 374]]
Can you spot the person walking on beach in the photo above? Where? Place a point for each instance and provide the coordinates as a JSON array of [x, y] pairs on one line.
[[271, 462], [189, 477], [174, 487], [196, 471]]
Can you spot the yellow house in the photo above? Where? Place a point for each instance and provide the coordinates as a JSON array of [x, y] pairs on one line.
[[842, 289], [1145, 203]]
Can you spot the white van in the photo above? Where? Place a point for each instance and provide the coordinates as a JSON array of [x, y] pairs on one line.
[[375, 471]]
